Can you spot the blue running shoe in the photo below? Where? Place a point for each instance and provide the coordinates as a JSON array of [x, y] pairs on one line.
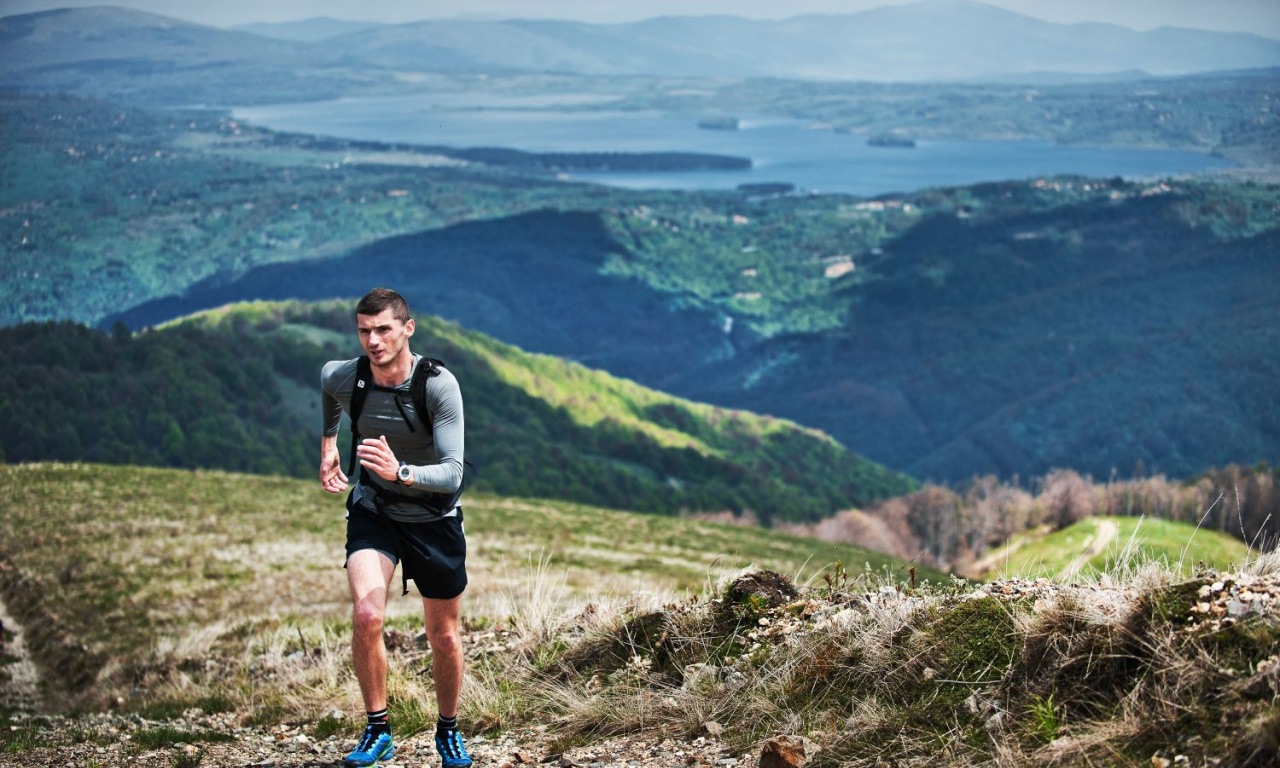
[[372, 748], [453, 754]]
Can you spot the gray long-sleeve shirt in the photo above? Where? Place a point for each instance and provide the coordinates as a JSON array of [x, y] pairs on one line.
[[436, 461]]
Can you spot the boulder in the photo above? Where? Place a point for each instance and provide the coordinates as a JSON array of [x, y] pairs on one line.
[[783, 752]]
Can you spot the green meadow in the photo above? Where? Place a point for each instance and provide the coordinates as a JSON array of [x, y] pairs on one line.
[[1105, 544]]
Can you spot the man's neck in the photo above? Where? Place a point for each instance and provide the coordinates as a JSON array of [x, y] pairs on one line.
[[395, 371]]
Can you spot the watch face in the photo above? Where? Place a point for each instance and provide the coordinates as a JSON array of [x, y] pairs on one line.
[[405, 474]]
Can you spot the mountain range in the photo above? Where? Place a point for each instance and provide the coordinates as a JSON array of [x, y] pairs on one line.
[[932, 40], [938, 40]]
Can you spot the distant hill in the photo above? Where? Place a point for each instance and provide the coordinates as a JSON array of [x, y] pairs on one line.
[[144, 56], [310, 30], [238, 389], [105, 33], [946, 40]]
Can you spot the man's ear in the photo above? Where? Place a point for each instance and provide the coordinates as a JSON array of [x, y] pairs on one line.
[[408, 328]]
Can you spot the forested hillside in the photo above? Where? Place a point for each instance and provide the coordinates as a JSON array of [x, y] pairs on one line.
[[1014, 327], [238, 389], [1010, 327]]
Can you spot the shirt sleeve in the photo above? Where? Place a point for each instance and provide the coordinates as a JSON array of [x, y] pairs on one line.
[[445, 399], [330, 405]]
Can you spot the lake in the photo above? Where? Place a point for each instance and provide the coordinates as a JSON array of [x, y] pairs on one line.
[[781, 149]]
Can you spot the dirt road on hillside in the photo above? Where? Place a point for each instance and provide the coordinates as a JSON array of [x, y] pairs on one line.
[[1093, 546]]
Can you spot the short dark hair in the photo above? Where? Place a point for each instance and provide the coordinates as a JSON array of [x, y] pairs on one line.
[[381, 299]]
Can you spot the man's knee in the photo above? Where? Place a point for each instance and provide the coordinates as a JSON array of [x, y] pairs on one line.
[[367, 617], [445, 641]]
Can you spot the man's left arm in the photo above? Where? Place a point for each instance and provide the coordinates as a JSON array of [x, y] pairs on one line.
[[445, 399]]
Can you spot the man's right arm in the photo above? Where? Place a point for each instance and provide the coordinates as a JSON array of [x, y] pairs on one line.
[[331, 477]]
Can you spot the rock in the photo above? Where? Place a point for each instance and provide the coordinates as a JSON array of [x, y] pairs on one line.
[[335, 714], [713, 729], [995, 723], [1236, 608], [398, 640], [1160, 762], [783, 752], [699, 676], [773, 589]]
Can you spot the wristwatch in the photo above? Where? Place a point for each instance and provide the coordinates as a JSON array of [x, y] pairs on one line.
[[405, 475]]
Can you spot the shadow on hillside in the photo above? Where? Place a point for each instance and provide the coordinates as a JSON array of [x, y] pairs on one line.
[[532, 280]]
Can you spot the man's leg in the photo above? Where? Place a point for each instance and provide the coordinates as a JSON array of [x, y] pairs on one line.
[[446, 671], [369, 573], [446, 651]]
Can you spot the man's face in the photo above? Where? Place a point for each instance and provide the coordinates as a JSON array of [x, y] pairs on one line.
[[382, 336]]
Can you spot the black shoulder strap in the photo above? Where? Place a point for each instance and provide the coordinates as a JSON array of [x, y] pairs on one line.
[[359, 391], [427, 367]]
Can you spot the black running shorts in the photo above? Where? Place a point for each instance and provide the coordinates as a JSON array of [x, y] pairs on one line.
[[433, 555]]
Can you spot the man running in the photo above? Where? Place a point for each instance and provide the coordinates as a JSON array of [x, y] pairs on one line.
[[403, 507]]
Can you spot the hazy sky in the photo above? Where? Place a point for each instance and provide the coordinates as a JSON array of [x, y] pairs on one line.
[[1258, 16]]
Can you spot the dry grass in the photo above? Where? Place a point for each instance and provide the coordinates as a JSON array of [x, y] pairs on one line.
[[1109, 672], [948, 677]]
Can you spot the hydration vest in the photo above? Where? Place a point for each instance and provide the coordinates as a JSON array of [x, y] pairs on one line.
[[436, 503]]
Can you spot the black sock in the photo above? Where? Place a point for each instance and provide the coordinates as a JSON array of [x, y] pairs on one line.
[[378, 721], [446, 724]]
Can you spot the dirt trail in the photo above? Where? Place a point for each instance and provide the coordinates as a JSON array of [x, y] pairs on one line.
[[19, 680], [109, 746], [998, 556], [1093, 546]]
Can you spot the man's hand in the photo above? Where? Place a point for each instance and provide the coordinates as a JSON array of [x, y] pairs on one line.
[[331, 477], [376, 456]]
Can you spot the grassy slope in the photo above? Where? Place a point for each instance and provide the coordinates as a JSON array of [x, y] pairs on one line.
[[238, 391], [589, 413], [1166, 541], [222, 594], [132, 562]]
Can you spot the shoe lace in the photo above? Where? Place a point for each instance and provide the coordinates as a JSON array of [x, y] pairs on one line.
[[367, 740]]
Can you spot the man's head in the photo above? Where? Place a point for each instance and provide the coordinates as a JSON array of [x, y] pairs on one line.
[[384, 325]]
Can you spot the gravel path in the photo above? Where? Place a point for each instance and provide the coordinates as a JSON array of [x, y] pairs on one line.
[[109, 741]]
